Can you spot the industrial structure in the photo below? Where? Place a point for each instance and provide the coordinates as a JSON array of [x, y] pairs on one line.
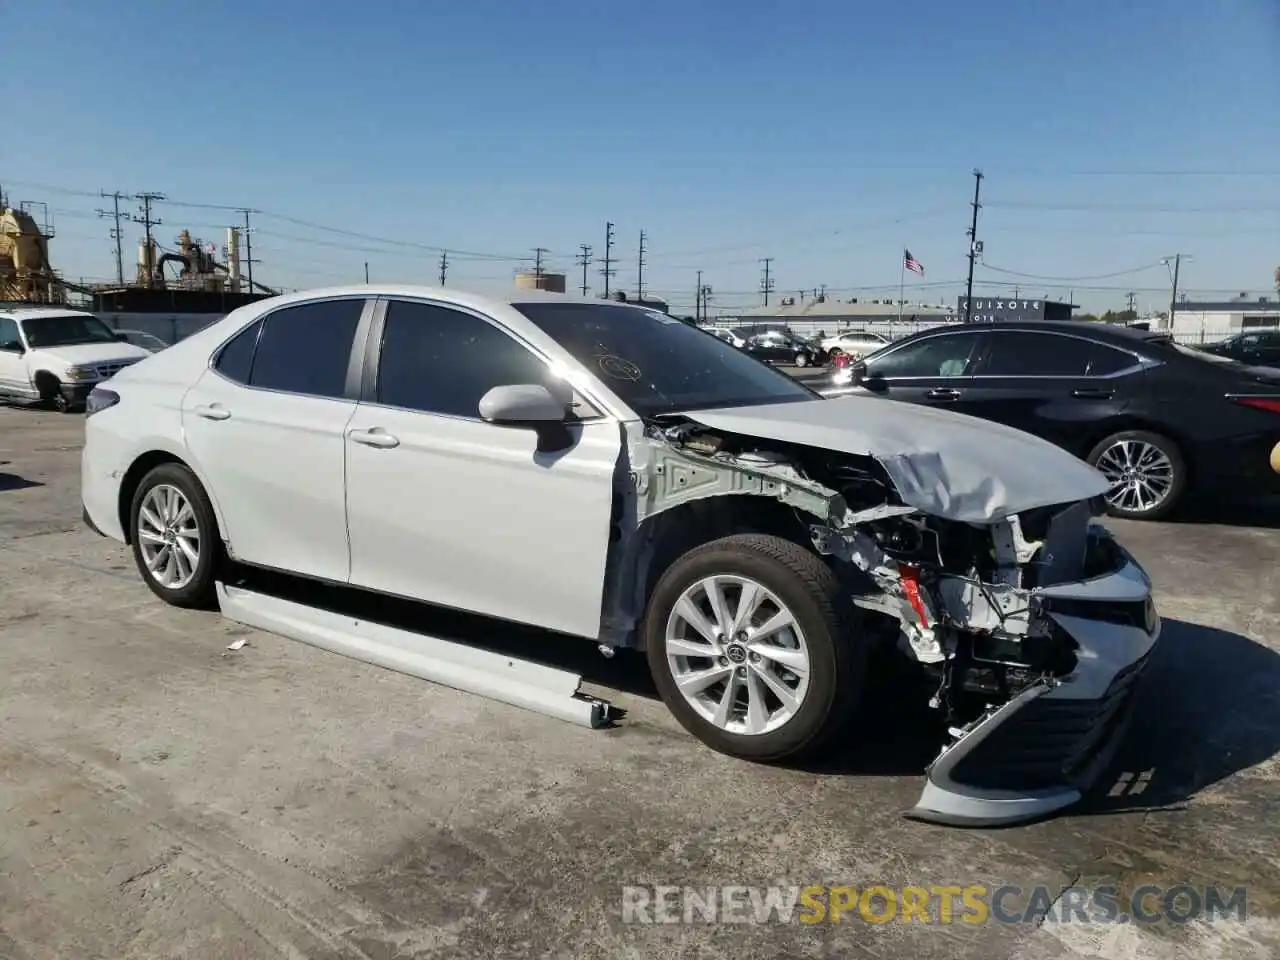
[[541, 280], [808, 316], [26, 274]]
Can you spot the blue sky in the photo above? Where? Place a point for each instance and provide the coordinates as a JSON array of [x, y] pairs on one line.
[[826, 135]]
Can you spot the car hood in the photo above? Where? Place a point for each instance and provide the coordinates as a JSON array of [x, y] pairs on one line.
[[942, 463], [76, 354]]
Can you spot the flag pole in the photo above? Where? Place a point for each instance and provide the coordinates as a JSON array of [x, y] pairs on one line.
[[902, 281]]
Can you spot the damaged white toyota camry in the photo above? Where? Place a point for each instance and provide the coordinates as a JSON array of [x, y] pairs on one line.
[[606, 471]]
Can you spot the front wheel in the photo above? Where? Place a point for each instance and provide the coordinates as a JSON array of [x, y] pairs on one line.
[[753, 648], [802, 359], [1146, 471], [175, 538]]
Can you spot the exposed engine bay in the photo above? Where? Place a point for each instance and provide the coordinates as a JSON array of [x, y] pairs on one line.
[[960, 598]]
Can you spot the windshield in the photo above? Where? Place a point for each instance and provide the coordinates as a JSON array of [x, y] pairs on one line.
[[659, 365], [61, 330]]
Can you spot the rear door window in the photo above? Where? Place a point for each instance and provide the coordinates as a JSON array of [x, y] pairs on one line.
[[1016, 353]]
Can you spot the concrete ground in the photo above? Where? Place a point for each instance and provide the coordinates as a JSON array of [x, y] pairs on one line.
[[161, 796]]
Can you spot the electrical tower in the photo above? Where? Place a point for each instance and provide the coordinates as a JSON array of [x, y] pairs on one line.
[[537, 261], [584, 261], [608, 270], [444, 266], [640, 270], [116, 234], [148, 222], [766, 281], [974, 246], [248, 251]]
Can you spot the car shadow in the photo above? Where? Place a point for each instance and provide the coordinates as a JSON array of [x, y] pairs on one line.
[[11, 481], [1206, 709], [1258, 512]]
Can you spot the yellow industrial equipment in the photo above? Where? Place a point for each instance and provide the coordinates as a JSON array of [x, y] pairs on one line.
[[25, 271]]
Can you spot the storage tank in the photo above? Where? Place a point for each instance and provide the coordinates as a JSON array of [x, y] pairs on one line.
[[551, 282]]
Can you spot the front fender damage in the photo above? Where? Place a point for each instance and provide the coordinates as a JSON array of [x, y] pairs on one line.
[[967, 601]]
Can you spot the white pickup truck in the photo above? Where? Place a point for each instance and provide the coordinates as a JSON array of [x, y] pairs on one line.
[[55, 356]]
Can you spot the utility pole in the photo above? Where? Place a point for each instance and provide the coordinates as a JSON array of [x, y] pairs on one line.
[[640, 270], [697, 303], [444, 266], [116, 234], [766, 282], [973, 246], [1131, 299], [537, 261], [248, 251], [706, 303], [1174, 261], [147, 221], [366, 272], [584, 261], [608, 269]]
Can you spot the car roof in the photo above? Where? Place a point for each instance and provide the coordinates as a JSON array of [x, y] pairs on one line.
[[463, 298], [1129, 336], [31, 313]]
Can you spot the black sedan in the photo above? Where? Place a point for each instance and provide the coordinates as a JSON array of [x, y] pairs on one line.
[[774, 347], [1255, 347], [1157, 418]]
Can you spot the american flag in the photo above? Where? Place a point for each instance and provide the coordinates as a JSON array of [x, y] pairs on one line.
[[911, 263]]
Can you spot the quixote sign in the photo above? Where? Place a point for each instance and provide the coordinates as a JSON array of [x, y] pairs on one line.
[[988, 310]]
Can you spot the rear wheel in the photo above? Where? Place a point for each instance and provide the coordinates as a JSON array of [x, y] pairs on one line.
[[753, 649], [1147, 473], [174, 535]]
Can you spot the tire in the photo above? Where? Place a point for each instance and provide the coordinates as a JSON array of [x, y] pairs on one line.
[[802, 359], [50, 388], [836, 646], [1166, 470], [199, 590]]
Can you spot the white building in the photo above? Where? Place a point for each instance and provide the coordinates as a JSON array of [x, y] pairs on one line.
[[1203, 321]]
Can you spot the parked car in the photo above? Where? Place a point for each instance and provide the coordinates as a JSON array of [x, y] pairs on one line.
[[1159, 419], [55, 356], [606, 472], [853, 343], [728, 336], [1259, 348], [774, 347], [140, 338]]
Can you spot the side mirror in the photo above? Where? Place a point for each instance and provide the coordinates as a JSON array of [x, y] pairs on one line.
[[12, 346], [529, 403]]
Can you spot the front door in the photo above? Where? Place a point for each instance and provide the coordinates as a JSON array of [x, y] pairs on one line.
[[932, 371], [265, 427], [14, 379], [449, 509]]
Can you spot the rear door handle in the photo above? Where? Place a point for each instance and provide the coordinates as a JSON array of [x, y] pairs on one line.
[[375, 437], [1095, 393], [213, 411], [943, 393]]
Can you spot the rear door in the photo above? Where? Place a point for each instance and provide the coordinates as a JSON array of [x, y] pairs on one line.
[[932, 370], [447, 508], [1056, 385], [265, 424]]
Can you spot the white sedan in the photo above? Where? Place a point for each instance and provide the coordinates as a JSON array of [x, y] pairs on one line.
[[608, 472], [854, 344]]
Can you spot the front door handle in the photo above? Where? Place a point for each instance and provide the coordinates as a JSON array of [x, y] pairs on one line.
[[1086, 393], [375, 437], [943, 393], [213, 411]]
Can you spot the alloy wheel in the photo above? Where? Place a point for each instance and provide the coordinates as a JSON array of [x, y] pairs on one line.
[[737, 655], [169, 536], [1140, 473]]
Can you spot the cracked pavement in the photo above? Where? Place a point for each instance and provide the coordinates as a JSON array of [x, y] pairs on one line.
[[162, 796]]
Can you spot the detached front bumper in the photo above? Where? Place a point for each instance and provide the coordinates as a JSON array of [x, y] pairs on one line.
[[1041, 751]]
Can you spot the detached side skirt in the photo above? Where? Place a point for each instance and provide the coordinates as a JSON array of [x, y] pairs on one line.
[[521, 683]]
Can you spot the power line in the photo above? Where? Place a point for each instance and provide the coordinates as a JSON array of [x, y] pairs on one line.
[[1096, 276], [148, 222], [640, 269], [973, 245], [766, 282], [608, 269], [1129, 207], [116, 233], [584, 261]]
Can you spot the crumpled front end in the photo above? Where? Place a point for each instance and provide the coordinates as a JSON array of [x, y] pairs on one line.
[[1035, 625]]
